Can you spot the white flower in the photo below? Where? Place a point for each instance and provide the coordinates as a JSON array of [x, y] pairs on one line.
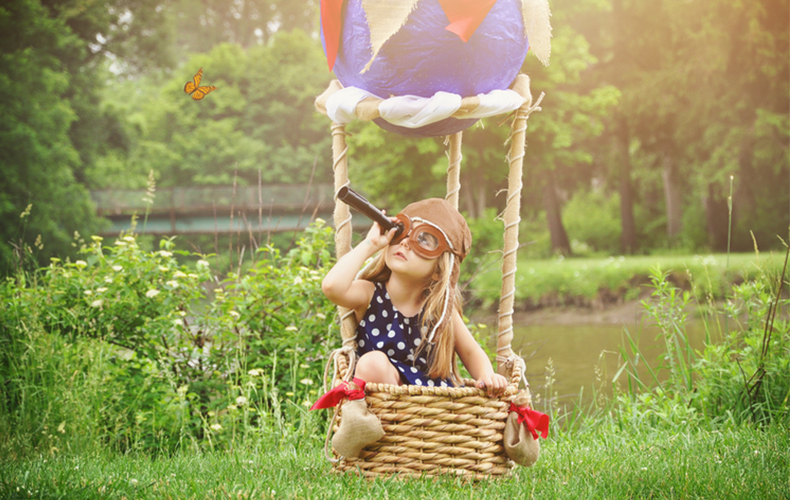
[[202, 263], [81, 264], [235, 314], [193, 276], [298, 281], [172, 283], [120, 243], [320, 220], [233, 407], [291, 328], [255, 372], [179, 322], [165, 253], [241, 401], [107, 279], [320, 315], [101, 289], [88, 292], [97, 303], [182, 391], [130, 239], [216, 427], [163, 269], [306, 381], [152, 293], [179, 274]]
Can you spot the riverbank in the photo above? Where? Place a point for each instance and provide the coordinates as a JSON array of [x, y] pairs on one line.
[[608, 286]]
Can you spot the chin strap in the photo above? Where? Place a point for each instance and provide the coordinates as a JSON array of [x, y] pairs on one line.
[[446, 301]]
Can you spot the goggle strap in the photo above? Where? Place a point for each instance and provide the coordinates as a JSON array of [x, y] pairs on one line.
[[446, 301]]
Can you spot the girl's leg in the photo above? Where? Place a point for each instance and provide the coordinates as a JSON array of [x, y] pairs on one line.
[[374, 366]]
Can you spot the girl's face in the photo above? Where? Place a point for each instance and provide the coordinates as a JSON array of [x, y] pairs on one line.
[[401, 259]]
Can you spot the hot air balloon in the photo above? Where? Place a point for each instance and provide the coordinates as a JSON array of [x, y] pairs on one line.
[[423, 47]]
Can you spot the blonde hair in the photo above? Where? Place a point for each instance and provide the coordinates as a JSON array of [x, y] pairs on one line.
[[442, 357]]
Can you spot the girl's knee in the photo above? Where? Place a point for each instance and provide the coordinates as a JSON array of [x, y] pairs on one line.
[[376, 367]]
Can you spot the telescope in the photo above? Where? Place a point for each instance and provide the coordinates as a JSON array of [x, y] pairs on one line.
[[357, 201]]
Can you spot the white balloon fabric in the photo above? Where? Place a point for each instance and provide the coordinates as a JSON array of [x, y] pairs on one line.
[[415, 112]]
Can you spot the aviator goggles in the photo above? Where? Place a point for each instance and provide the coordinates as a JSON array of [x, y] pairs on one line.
[[426, 239]]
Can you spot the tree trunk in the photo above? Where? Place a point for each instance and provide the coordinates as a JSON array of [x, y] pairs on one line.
[[672, 196], [716, 218], [480, 199], [559, 238], [628, 241]]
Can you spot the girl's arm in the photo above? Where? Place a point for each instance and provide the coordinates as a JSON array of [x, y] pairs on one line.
[[339, 284], [475, 359]]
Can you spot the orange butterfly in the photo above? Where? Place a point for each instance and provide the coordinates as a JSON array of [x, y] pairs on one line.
[[194, 88]]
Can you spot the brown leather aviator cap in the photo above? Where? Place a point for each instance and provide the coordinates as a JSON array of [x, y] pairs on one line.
[[439, 212]]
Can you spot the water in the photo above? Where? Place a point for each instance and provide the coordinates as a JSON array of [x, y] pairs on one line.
[[576, 350]]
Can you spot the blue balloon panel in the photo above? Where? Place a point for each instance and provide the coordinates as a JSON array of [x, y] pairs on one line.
[[423, 58]]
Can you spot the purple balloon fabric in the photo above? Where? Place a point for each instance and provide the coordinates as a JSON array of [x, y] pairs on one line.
[[423, 58]]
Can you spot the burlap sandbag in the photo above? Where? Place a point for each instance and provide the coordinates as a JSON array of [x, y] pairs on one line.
[[358, 428], [520, 445]]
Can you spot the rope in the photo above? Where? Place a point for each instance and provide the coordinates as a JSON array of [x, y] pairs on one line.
[[512, 218], [454, 156]]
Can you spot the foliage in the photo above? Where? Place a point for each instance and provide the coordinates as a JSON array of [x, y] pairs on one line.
[[162, 364], [742, 376]]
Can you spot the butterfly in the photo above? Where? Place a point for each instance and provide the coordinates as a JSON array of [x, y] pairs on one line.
[[194, 88]]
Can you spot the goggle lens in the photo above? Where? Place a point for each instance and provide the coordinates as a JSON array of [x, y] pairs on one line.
[[427, 241]]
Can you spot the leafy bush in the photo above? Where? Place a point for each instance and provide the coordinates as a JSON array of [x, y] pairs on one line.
[[153, 359]]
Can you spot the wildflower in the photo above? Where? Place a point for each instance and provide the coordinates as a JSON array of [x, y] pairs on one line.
[[298, 281], [130, 239], [182, 313], [179, 274], [241, 401], [320, 220], [133, 482], [165, 253], [193, 276], [152, 293], [107, 279], [306, 381], [202, 263], [101, 289], [291, 328], [179, 322], [88, 292], [216, 427], [163, 269], [97, 239], [117, 269], [320, 315], [120, 243], [172, 283], [233, 407], [81, 264], [97, 303], [235, 314], [182, 391], [255, 372]]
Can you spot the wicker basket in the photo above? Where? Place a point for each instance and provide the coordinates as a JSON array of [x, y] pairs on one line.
[[436, 430]]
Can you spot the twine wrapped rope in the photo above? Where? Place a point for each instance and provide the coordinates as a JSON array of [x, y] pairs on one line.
[[435, 430]]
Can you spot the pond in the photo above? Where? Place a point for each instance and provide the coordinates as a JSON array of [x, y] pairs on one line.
[[584, 355]]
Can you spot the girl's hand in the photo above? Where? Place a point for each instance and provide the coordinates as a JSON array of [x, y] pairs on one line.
[[376, 239], [494, 384]]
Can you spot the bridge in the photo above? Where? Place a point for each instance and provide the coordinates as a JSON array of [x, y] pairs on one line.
[[217, 209]]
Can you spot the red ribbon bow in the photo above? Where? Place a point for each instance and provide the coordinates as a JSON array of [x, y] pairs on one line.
[[535, 421], [333, 397]]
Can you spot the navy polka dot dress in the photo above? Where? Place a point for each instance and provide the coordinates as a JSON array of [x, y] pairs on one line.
[[383, 328]]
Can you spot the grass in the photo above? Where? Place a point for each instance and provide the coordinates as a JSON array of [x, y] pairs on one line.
[[581, 281], [736, 462]]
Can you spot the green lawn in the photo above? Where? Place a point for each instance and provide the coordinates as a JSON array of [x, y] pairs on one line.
[[741, 462], [565, 281]]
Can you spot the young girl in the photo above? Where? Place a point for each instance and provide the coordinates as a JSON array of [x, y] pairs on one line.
[[407, 303]]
